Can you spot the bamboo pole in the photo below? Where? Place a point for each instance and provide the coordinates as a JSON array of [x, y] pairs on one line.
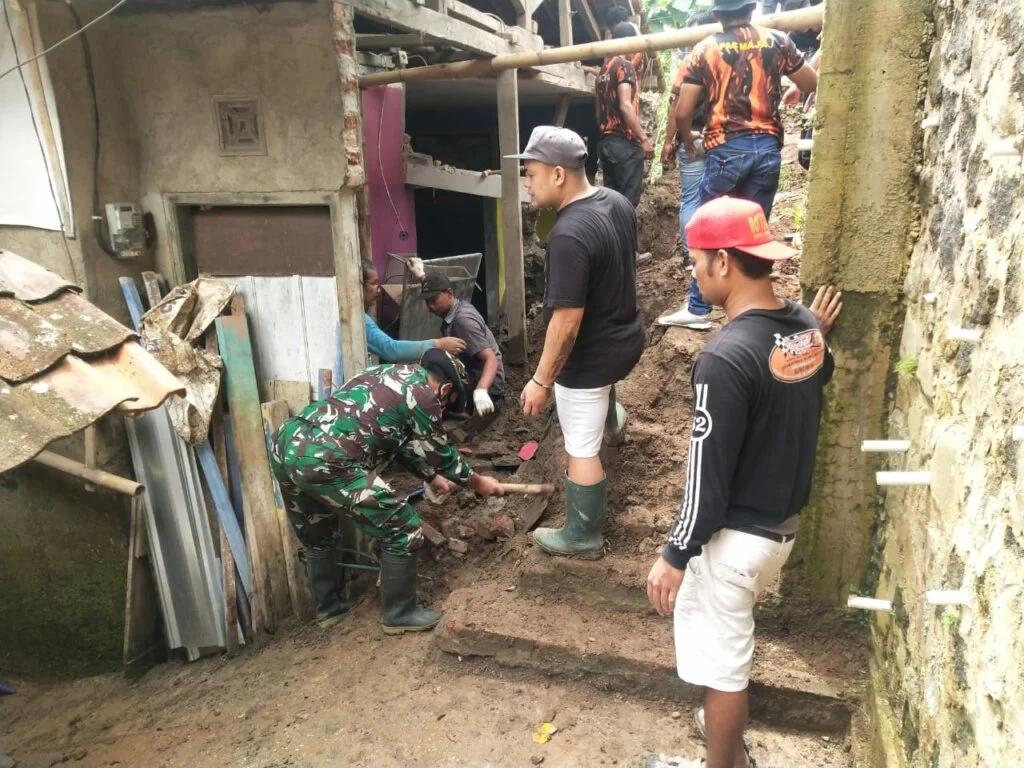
[[804, 18], [94, 476]]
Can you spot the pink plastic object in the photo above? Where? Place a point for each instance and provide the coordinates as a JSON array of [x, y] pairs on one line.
[[528, 450]]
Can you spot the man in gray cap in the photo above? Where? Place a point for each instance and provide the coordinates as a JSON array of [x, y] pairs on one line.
[[595, 332]]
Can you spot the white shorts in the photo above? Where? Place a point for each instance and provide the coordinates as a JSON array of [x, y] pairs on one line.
[[581, 414], [714, 614]]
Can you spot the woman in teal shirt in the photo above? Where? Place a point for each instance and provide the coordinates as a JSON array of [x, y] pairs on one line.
[[387, 349]]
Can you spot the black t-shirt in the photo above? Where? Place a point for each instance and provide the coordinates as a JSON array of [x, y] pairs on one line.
[[757, 402], [591, 263]]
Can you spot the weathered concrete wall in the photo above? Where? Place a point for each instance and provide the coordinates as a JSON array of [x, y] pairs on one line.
[[63, 551], [862, 219], [954, 677], [175, 64]]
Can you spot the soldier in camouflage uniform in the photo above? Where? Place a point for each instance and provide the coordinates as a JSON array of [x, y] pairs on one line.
[[326, 461]]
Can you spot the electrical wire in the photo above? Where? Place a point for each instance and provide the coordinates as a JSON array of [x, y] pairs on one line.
[[39, 139], [59, 43], [97, 219], [403, 233]]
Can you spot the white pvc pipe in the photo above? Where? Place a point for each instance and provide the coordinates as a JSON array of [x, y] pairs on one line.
[[930, 298], [805, 145], [903, 478], [956, 333], [1018, 433], [868, 603], [932, 121], [946, 597], [1005, 148], [885, 446]]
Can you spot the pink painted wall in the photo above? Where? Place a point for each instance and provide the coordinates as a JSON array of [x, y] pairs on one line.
[[386, 173]]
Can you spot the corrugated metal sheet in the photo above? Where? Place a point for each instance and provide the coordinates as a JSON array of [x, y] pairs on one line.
[[64, 363]]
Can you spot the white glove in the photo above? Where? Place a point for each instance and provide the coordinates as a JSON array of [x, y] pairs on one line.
[[416, 267], [482, 402]]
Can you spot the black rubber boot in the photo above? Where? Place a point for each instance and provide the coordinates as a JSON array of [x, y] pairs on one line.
[[400, 610], [326, 581]]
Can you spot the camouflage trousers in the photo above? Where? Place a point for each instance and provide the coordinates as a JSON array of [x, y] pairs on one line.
[[319, 482]]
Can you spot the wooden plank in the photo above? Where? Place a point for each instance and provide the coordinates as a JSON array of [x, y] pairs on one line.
[[492, 259], [325, 384], [143, 639], [349, 282], [266, 552], [589, 21], [275, 414], [230, 596], [511, 217], [295, 393], [319, 315], [380, 42], [471, 15], [228, 522], [457, 180], [446, 29], [561, 112], [564, 23]]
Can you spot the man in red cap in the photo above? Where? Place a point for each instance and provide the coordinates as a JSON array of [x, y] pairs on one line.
[[757, 400]]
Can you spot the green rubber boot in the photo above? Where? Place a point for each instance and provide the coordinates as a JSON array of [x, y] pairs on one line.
[[326, 581], [399, 608], [585, 508], [615, 422]]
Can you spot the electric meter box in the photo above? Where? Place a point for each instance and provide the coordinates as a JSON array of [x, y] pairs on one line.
[[126, 229]]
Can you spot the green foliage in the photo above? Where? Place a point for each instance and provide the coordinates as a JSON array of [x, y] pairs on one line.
[[950, 616], [906, 367], [671, 14], [799, 214]]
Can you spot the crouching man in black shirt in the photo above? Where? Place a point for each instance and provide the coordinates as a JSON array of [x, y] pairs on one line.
[[757, 402], [595, 332]]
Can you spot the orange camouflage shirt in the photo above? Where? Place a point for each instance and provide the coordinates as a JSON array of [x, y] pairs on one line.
[[616, 71], [741, 71]]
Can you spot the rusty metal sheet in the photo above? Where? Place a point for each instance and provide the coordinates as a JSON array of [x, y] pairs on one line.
[[27, 280], [34, 336]]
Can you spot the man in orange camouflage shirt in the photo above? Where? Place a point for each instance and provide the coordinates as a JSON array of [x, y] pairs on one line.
[[623, 146]]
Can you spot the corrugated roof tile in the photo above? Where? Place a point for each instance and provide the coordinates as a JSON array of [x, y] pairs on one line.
[[64, 363]]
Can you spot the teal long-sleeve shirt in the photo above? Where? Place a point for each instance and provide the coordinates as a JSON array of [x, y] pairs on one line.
[[389, 350]]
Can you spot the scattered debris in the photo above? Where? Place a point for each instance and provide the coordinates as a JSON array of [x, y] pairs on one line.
[[537, 759], [529, 450], [507, 463], [433, 535], [501, 525], [458, 545], [544, 733]]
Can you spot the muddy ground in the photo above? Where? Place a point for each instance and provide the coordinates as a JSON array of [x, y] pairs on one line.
[[348, 696]]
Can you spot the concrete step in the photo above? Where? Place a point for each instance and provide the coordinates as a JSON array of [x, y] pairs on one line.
[[634, 656], [615, 582]]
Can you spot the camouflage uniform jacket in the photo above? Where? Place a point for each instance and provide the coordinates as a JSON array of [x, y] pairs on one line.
[[388, 412]]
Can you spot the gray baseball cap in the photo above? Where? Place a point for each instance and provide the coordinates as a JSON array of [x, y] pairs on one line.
[[554, 146]]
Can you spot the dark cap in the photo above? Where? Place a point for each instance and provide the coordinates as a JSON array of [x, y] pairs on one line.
[[554, 146], [436, 282], [444, 367]]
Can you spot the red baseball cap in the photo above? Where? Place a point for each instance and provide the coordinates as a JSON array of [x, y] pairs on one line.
[[728, 222]]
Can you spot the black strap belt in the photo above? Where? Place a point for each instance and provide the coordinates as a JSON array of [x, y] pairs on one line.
[[753, 530]]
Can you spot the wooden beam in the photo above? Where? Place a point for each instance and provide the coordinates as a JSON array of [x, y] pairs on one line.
[[446, 29], [418, 174], [564, 22], [261, 527], [511, 218], [485, 21], [275, 413], [589, 21], [492, 261], [561, 112], [345, 229], [378, 42]]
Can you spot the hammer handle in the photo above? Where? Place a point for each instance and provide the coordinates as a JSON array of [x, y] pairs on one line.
[[530, 489]]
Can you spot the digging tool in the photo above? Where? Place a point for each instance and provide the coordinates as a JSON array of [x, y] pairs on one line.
[[529, 489]]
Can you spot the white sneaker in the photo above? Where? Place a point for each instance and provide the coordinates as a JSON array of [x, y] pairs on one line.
[[685, 319]]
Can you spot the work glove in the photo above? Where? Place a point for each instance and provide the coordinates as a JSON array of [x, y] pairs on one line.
[[482, 402]]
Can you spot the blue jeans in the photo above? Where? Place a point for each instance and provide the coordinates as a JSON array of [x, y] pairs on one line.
[[690, 174], [746, 167]]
